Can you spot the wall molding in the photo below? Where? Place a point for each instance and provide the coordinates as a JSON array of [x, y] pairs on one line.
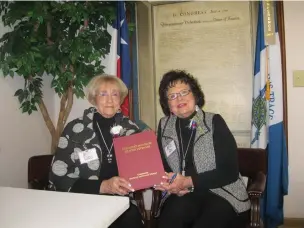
[[294, 222]]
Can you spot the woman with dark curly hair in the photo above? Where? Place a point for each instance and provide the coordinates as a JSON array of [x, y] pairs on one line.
[[203, 187]]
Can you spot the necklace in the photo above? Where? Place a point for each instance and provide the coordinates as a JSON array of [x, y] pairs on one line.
[[109, 155], [184, 154]]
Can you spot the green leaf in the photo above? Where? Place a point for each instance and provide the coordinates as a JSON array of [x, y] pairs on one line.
[[26, 94], [85, 15], [34, 108], [69, 75], [36, 98], [73, 59], [31, 88], [79, 93], [33, 40], [19, 64], [54, 83], [5, 71], [30, 13], [40, 19], [37, 83], [11, 73], [26, 106], [37, 54], [21, 97], [18, 92], [40, 72], [35, 48]]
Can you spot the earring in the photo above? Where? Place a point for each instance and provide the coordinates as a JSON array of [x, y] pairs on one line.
[[119, 110]]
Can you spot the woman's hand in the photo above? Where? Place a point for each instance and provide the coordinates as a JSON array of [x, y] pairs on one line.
[[116, 185], [179, 186], [176, 186]]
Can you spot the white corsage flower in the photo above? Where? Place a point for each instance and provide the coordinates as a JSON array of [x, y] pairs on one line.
[[116, 130]]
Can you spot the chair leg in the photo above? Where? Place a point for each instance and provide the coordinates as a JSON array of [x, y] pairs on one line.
[[255, 220]]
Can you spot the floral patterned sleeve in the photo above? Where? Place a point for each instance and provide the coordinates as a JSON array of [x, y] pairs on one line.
[[64, 172]]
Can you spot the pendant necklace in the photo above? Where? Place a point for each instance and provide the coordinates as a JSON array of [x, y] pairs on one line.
[[109, 155], [184, 154]]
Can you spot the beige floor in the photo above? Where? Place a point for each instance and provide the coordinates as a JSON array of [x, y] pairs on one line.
[[291, 226]]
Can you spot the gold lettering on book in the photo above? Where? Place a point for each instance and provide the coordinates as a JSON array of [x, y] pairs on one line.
[[137, 147], [141, 175]]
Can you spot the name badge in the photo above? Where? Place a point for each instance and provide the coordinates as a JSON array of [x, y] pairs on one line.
[[87, 156], [170, 148]]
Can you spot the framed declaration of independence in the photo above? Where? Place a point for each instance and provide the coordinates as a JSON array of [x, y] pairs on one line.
[[214, 41]]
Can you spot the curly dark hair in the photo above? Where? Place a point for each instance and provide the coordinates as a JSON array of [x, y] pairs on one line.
[[169, 79]]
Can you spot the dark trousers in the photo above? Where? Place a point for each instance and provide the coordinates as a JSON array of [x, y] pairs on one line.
[[131, 218], [200, 211]]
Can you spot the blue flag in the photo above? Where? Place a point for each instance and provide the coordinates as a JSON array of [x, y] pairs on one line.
[[267, 123]]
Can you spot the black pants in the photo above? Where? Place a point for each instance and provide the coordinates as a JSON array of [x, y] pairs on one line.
[[131, 218], [200, 211]]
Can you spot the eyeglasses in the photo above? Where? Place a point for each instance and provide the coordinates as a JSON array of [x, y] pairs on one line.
[[114, 95], [173, 96]]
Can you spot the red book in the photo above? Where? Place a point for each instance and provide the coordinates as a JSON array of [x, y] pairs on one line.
[[138, 159]]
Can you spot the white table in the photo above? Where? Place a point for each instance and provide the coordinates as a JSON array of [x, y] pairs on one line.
[[27, 208]]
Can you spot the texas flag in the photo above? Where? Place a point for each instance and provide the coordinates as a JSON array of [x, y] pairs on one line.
[[119, 57]]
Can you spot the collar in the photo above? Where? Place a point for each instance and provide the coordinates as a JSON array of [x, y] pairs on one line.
[[88, 116], [202, 128]]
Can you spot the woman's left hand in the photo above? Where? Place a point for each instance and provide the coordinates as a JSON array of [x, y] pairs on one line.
[[183, 192], [178, 186]]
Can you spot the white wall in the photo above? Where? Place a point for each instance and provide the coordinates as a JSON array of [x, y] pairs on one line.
[[294, 17], [21, 135]]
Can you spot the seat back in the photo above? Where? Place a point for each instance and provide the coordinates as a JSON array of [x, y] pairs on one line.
[[252, 161], [38, 171]]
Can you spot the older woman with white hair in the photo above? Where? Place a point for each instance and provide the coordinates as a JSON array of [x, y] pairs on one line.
[[85, 160]]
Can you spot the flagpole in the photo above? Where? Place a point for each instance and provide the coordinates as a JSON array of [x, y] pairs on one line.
[[281, 27]]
